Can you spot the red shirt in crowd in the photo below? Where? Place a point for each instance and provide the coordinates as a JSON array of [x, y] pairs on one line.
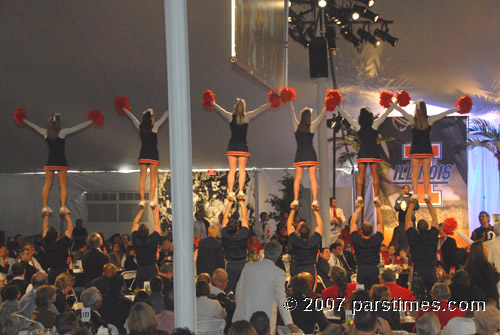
[[333, 291], [400, 292]]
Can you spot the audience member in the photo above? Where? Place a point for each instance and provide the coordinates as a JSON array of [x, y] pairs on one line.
[[25, 258], [9, 325], [310, 293], [167, 274], [210, 252], [18, 271], [264, 229], [401, 206], [459, 325], [487, 321], [447, 250], [34, 261], [340, 288], [428, 324], [92, 298], [337, 220], [10, 302], [367, 246], [481, 232], [27, 302], [5, 261], [130, 261], [260, 322], [367, 323], [481, 272], [241, 327], [66, 323], [142, 296], [344, 258], [165, 320], [305, 319], [115, 307], [200, 224], [323, 267], [146, 246], [262, 287], [44, 297], [57, 248], [462, 290], [254, 246], [102, 282], [94, 259], [390, 256], [207, 309], [116, 255], [235, 244], [156, 296], [79, 233], [79, 249], [423, 245], [304, 245], [141, 320], [166, 252], [64, 284], [381, 292], [388, 278]]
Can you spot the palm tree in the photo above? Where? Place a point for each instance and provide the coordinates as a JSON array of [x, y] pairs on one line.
[[486, 135]]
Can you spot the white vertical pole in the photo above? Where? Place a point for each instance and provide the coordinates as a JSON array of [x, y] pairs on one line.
[[180, 160], [324, 176]]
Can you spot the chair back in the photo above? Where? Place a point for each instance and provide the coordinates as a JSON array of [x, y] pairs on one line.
[[211, 327], [129, 276]]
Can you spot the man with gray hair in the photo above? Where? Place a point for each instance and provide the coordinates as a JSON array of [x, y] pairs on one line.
[[262, 288], [27, 302], [428, 324], [92, 298], [94, 259]]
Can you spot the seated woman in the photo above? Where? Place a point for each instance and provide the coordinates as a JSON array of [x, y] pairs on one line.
[[207, 309], [390, 256], [64, 284], [44, 297], [116, 255], [340, 288], [141, 320]]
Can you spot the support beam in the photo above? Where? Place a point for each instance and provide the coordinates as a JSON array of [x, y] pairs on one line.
[[176, 33]]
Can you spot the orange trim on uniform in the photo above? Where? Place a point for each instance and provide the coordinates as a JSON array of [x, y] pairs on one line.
[[148, 161], [311, 163], [55, 168], [421, 155], [238, 153], [368, 160]]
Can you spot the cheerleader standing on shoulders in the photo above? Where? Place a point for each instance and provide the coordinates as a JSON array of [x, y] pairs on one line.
[[237, 150], [421, 147], [55, 138], [149, 155], [305, 156], [369, 152]]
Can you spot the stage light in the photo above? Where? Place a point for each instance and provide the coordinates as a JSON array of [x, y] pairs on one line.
[[349, 36], [357, 11], [289, 4], [322, 3], [369, 3], [370, 15], [368, 37], [385, 36]]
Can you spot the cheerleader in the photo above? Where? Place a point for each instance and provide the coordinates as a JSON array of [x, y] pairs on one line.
[[421, 147], [237, 150], [55, 139], [148, 156], [369, 153], [305, 156]]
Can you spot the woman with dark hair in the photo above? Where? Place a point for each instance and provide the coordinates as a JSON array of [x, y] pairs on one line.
[[55, 137], [421, 147], [149, 155], [237, 149], [44, 297], [369, 152], [305, 156], [481, 272], [64, 284], [116, 255]]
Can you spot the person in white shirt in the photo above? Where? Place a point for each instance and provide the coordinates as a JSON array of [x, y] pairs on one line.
[[200, 228], [337, 220], [206, 308], [264, 229]]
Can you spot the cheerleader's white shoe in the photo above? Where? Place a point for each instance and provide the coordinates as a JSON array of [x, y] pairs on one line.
[[46, 210], [153, 204], [427, 197], [315, 205], [359, 200], [294, 204], [64, 211], [241, 195], [142, 203], [376, 200], [230, 196], [414, 197]]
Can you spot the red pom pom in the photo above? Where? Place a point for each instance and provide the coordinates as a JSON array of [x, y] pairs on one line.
[[449, 226], [403, 98], [386, 99], [287, 94], [274, 100], [96, 116], [121, 103], [19, 116], [332, 100], [465, 104], [208, 98]]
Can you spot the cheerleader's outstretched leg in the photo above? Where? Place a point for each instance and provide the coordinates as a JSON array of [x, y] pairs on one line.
[[153, 180], [242, 176], [314, 185], [415, 169], [49, 178], [232, 161], [360, 181], [63, 187], [299, 172], [375, 182], [142, 183]]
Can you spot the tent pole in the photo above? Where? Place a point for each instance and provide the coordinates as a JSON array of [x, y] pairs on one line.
[[176, 34]]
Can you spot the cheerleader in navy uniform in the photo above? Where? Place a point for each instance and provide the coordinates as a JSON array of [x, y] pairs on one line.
[[148, 156], [305, 156], [369, 152], [237, 149], [55, 138], [421, 147]]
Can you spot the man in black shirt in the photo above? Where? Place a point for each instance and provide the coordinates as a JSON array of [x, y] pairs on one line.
[[93, 260], [423, 244], [304, 245], [401, 206], [367, 247], [146, 246], [57, 248], [481, 233], [235, 243]]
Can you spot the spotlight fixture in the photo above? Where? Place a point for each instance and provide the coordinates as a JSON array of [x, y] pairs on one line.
[[369, 3], [357, 11], [385, 36], [368, 37], [322, 3], [349, 36], [370, 15]]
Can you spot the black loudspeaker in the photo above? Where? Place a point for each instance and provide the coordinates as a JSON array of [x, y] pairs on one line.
[[318, 61]]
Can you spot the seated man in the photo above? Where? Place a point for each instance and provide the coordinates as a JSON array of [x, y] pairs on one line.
[[92, 298], [389, 279], [102, 282], [367, 323]]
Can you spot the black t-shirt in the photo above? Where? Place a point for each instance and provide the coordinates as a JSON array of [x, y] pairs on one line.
[[146, 248], [235, 246], [367, 249], [305, 251], [57, 252], [423, 246], [478, 233]]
